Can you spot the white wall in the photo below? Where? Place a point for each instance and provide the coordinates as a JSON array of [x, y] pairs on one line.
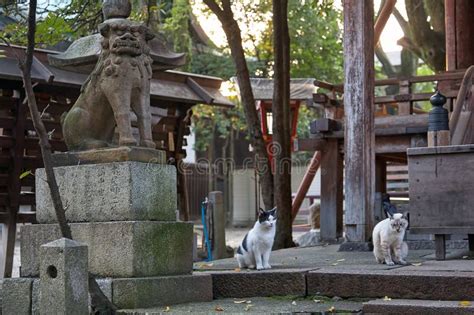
[[244, 194]]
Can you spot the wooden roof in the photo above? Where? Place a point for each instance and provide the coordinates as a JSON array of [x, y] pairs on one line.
[[167, 85]]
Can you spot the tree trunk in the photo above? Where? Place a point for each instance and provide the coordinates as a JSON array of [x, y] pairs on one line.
[[100, 303], [281, 123], [234, 39]]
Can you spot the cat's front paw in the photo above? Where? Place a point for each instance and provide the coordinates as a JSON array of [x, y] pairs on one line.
[[260, 268], [267, 267], [389, 263], [403, 262]]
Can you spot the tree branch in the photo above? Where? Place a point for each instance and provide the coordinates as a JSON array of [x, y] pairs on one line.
[[401, 21]]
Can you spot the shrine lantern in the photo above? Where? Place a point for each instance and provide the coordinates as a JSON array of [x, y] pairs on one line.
[[264, 109]]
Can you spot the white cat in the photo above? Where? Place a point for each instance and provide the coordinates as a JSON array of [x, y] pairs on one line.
[[254, 252], [389, 247]]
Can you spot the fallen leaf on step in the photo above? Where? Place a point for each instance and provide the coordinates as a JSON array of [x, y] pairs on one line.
[[204, 265], [465, 257], [465, 303], [317, 301], [237, 269], [341, 259], [167, 309], [247, 307], [386, 298], [334, 264], [416, 264], [332, 309], [248, 302], [219, 309], [240, 302], [293, 303]]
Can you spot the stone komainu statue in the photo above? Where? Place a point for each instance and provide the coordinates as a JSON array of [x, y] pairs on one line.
[[119, 83]]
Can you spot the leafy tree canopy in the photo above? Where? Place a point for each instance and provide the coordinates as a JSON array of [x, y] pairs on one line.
[[315, 32]]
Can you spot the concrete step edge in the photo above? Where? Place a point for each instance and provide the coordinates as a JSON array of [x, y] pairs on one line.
[[409, 306]]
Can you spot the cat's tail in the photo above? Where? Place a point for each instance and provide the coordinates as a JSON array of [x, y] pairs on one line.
[[404, 250]]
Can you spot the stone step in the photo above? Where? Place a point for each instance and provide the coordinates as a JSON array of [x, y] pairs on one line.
[[404, 306], [396, 283]]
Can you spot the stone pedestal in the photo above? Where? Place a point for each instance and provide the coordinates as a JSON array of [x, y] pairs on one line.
[[64, 278], [119, 249], [124, 211]]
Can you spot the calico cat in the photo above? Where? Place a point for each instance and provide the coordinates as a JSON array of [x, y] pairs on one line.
[[254, 252], [389, 247]]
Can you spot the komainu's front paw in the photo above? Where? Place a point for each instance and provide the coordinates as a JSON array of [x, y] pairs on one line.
[[127, 142]]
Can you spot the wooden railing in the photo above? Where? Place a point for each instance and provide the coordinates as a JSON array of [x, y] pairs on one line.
[[405, 100]]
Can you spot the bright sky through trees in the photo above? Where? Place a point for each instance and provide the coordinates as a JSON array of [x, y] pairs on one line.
[[211, 25]]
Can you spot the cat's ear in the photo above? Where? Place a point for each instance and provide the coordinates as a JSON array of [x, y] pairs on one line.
[[273, 211], [390, 216], [261, 212], [405, 215]]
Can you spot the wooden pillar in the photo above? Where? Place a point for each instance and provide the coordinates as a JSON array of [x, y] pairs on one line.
[[14, 185], [459, 34], [359, 119], [331, 192], [380, 175]]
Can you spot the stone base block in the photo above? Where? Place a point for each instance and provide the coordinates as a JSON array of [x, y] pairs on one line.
[[109, 155], [135, 293], [119, 249], [22, 296], [16, 296], [105, 192]]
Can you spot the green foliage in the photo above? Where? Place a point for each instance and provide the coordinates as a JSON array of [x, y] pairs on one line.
[[49, 31], [176, 26], [315, 51], [316, 40]]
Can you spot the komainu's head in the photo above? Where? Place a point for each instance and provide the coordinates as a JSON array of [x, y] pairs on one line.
[[123, 37]]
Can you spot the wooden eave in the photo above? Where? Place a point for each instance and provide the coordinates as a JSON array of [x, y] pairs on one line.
[[169, 85]]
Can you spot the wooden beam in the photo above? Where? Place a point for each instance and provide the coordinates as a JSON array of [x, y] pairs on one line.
[[331, 192], [359, 119], [309, 144], [383, 18], [305, 183]]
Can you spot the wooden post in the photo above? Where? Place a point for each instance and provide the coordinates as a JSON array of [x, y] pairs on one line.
[[440, 246], [459, 33], [216, 200], [331, 192], [471, 242], [359, 119], [14, 187], [404, 108]]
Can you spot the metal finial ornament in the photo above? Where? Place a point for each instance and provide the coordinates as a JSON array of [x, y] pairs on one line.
[[438, 117], [116, 9]]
